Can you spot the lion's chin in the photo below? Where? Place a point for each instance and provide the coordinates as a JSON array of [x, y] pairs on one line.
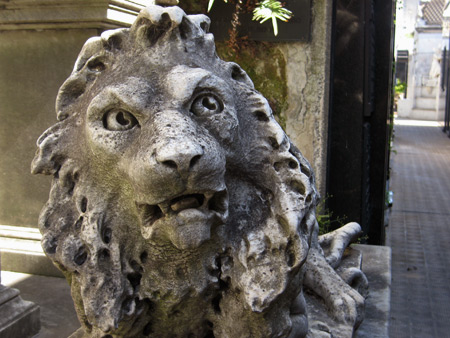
[[184, 220]]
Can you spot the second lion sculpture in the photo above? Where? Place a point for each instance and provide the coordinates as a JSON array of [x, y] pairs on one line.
[[179, 207]]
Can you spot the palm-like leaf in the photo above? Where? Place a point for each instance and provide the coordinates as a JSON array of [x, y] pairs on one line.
[[268, 9], [211, 3], [271, 9]]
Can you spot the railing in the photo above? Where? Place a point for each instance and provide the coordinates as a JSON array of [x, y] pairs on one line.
[[446, 84]]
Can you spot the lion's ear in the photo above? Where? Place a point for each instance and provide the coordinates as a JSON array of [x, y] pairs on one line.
[[238, 74], [47, 161], [69, 92], [202, 21]]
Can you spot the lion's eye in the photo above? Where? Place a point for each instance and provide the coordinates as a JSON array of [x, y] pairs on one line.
[[206, 104], [119, 120]]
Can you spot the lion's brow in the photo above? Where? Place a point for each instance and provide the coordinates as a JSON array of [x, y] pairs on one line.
[[123, 96], [182, 81]]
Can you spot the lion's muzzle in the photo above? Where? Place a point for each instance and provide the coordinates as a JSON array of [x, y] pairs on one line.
[[178, 180]]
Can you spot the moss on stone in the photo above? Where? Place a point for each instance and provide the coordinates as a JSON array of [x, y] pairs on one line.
[[194, 6], [266, 66]]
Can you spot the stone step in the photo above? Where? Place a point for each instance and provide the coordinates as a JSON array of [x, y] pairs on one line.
[[426, 91], [22, 252], [426, 114], [428, 102]]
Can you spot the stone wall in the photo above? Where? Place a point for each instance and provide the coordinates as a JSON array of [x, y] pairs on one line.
[[308, 72], [34, 64], [39, 43]]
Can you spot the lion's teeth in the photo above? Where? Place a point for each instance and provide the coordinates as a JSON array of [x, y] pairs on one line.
[[164, 207], [209, 195], [185, 203]]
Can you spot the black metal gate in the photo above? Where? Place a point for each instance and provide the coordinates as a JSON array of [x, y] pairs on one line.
[[360, 112], [445, 85]]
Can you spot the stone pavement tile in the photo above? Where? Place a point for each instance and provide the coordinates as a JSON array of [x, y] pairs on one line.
[[419, 233]]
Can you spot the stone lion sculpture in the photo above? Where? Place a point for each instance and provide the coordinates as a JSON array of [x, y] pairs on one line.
[[179, 207]]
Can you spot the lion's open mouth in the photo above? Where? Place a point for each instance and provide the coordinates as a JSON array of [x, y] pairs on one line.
[[207, 202]]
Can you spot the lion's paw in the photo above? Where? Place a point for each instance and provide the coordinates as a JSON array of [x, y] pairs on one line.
[[346, 304]]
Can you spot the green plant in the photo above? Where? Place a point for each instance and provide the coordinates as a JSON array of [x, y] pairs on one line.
[[265, 10], [400, 87], [270, 9], [325, 218]]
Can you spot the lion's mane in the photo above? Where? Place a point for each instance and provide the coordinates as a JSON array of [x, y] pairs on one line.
[[246, 275]]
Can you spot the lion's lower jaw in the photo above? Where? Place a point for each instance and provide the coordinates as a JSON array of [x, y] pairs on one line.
[[185, 221], [187, 230]]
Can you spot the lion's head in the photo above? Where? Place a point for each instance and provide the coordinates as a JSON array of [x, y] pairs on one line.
[[179, 206]]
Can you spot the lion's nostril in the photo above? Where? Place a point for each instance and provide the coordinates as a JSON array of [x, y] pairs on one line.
[[179, 155], [194, 161], [181, 158], [170, 164]]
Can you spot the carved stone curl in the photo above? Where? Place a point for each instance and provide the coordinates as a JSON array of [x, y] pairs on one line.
[[179, 207]]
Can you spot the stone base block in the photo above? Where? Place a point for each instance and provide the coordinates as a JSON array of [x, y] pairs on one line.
[[376, 265], [18, 318]]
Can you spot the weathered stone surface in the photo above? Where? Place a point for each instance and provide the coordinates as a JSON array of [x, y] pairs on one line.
[[308, 74], [178, 206]]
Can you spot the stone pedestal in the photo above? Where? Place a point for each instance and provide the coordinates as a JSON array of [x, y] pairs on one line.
[[376, 264], [22, 252], [18, 318]]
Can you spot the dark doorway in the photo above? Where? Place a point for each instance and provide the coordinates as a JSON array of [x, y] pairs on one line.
[[401, 67]]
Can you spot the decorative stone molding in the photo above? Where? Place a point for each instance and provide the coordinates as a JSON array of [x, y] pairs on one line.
[[63, 14]]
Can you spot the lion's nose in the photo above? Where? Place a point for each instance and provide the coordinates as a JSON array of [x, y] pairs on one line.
[[181, 156]]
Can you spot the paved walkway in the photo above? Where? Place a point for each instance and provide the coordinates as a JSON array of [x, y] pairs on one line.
[[419, 232]]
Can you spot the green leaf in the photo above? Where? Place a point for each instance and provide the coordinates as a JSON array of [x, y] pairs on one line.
[[275, 25], [210, 4], [271, 9]]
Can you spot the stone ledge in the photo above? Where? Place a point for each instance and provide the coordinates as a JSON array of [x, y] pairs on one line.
[[66, 14], [376, 264], [22, 252]]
